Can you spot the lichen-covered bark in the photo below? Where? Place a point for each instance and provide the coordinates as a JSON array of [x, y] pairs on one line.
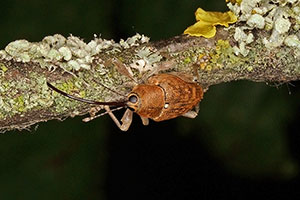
[[263, 46], [25, 98]]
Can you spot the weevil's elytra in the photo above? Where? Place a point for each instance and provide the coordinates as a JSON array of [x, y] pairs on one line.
[[161, 97], [175, 98]]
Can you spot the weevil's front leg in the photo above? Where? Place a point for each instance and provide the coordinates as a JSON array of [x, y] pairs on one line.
[[93, 112], [126, 119]]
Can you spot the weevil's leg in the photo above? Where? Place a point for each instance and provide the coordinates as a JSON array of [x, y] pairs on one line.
[[123, 69], [145, 121], [190, 114], [112, 116], [195, 73], [93, 112], [197, 108], [126, 120], [165, 65], [93, 116]]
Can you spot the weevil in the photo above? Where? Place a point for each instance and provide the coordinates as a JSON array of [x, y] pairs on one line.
[[161, 97]]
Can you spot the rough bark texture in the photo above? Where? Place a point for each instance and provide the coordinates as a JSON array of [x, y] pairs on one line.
[[26, 100]]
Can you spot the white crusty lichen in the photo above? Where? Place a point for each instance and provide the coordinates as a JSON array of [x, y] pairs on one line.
[[292, 41], [281, 18], [243, 39], [146, 59], [71, 53], [135, 40], [256, 21]]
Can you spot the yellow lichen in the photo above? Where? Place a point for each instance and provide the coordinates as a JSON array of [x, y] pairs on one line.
[[222, 52], [203, 65], [200, 56], [82, 93], [208, 67], [207, 21], [223, 44]]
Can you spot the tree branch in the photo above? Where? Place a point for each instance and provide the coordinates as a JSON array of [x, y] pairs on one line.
[[88, 70]]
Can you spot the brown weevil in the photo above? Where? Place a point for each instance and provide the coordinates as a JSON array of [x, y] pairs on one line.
[[161, 97]]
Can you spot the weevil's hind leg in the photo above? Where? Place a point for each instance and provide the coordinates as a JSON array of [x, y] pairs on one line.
[[145, 121], [192, 114], [197, 108]]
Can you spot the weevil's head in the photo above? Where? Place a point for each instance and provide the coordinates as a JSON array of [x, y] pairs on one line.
[[146, 100]]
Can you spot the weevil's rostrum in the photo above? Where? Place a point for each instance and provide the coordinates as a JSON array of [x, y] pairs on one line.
[[161, 97]]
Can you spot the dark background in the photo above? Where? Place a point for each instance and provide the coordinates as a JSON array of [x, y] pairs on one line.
[[244, 143]]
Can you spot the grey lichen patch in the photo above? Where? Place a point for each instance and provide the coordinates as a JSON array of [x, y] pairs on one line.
[[139, 61], [281, 18], [71, 53]]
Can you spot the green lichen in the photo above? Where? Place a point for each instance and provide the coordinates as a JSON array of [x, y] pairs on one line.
[[20, 104], [23, 95], [187, 60], [32, 92], [3, 67], [250, 68], [222, 52]]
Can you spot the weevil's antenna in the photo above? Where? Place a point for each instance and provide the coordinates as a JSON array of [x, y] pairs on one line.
[[112, 103]]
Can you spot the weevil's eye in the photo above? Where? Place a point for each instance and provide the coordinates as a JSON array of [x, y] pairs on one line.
[[133, 102], [133, 99]]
